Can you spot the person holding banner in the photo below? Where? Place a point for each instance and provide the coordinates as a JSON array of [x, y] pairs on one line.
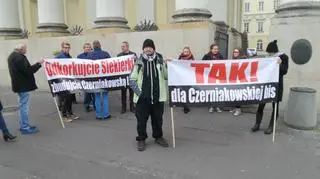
[[66, 97], [98, 54], [236, 55], [7, 136], [125, 51], [88, 97], [186, 55], [23, 82], [273, 51], [214, 54], [148, 81]]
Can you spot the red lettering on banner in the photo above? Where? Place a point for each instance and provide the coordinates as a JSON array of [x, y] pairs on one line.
[[218, 72], [199, 70], [238, 72], [253, 71]]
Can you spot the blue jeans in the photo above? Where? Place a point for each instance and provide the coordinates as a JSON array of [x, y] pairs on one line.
[[105, 102], [88, 99], [3, 125], [23, 99]]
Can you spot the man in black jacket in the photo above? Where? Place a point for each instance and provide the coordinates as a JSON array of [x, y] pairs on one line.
[[125, 51], [23, 81], [273, 51]]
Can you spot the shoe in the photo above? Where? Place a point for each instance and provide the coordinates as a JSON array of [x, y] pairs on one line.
[[67, 119], [88, 109], [255, 128], [186, 110], [232, 110], [218, 110], [29, 131], [237, 112], [141, 145], [123, 111], [108, 117], [74, 117], [7, 137], [98, 118], [211, 110], [268, 131], [162, 142]]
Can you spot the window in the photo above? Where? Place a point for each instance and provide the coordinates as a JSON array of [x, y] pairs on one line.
[[259, 45], [276, 4], [247, 7], [260, 27], [261, 6], [246, 26]]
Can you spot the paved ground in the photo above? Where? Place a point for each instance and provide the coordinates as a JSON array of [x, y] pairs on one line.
[[209, 146]]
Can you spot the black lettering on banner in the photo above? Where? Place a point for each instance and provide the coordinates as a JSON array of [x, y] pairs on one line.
[[226, 95]]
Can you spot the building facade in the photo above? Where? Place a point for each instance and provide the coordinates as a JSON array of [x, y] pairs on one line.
[[44, 24], [257, 15]]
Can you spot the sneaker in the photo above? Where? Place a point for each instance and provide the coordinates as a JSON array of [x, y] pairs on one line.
[[66, 119], [237, 112], [141, 146], [218, 110], [211, 110], [162, 142], [29, 131], [108, 117], [74, 117], [98, 118], [232, 110]]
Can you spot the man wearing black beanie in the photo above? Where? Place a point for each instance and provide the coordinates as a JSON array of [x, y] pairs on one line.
[[273, 51], [148, 81]]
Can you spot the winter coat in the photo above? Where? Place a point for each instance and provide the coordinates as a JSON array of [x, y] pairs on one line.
[[143, 69], [98, 54], [22, 73], [210, 56]]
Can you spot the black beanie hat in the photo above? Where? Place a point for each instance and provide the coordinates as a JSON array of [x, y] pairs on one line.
[[148, 43], [272, 47]]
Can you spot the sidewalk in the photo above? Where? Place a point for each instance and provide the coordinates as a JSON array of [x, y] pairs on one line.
[[208, 146]]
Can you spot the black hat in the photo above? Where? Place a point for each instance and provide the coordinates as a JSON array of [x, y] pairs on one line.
[[272, 47], [148, 43]]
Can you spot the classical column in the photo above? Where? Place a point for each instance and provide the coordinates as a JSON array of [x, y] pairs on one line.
[[51, 16], [9, 18], [110, 14], [191, 11]]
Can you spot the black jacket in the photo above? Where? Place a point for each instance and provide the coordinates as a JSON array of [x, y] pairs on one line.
[[22, 73], [209, 56], [124, 54], [284, 66], [1, 107]]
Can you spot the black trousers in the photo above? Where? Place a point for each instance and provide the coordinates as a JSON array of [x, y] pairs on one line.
[[144, 109], [65, 100], [124, 99], [259, 114]]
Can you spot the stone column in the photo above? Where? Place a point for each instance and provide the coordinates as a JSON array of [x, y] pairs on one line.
[[9, 18], [51, 16], [110, 14], [191, 11]]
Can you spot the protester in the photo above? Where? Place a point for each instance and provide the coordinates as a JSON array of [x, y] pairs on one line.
[[125, 51], [7, 136], [65, 97], [273, 51], [97, 54], [186, 55], [237, 54], [23, 81], [148, 81], [214, 54], [88, 97]]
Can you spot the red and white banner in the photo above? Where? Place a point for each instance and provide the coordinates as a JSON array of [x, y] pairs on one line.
[[88, 75], [223, 82]]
